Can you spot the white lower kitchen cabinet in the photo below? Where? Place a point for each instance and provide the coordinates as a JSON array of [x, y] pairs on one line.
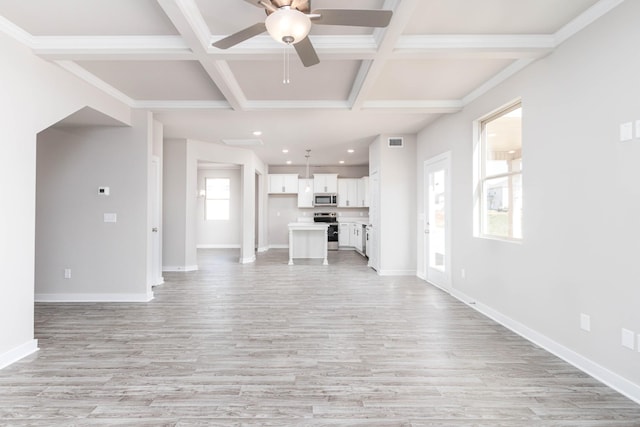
[[344, 234], [356, 235]]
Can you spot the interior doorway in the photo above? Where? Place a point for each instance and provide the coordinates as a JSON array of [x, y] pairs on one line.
[[437, 223]]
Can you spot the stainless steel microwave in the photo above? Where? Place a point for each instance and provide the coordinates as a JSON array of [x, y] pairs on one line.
[[325, 199]]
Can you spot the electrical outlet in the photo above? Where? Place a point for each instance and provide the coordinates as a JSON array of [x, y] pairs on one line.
[[67, 273], [628, 339], [626, 131], [585, 322]]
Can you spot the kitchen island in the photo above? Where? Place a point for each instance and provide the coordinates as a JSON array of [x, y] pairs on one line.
[[308, 240]]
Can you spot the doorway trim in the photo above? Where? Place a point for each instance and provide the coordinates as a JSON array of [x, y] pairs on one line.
[[444, 281]]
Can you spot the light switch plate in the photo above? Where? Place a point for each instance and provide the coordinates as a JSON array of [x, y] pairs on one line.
[[628, 339], [585, 322], [110, 217], [626, 131]]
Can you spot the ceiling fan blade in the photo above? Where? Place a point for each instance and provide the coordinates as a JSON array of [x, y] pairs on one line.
[[240, 36], [306, 52], [353, 17]]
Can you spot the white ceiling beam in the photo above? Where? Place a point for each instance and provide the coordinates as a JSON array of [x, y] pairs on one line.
[[416, 106], [589, 16], [112, 48], [186, 17], [464, 46], [371, 70]]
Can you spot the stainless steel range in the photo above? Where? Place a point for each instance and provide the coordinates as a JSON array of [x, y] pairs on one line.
[[332, 232]]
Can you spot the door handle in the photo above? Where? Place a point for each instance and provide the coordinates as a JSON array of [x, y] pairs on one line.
[[154, 229]]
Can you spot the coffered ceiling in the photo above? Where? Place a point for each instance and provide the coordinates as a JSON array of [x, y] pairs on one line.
[[434, 58]]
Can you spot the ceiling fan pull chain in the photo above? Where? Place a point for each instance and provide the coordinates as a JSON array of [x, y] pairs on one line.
[[286, 79]]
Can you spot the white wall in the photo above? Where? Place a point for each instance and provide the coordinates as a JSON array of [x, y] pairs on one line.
[[35, 94], [220, 234], [183, 197], [395, 221], [174, 202], [581, 201], [108, 261]]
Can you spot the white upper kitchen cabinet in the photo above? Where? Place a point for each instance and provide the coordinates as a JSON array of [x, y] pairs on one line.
[[348, 193], [283, 183], [363, 192], [305, 193], [325, 183]]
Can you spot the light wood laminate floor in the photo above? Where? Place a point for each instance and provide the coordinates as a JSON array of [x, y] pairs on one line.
[[308, 345]]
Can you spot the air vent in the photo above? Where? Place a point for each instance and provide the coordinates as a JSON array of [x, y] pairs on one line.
[[242, 142], [396, 142]]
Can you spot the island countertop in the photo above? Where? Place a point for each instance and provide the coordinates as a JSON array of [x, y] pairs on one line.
[[308, 240]]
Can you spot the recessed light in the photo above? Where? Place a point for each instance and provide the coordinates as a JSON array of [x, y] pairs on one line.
[[351, 150], [257, 133], [341, 162], [289, 162], [512, 151], [285, 151]]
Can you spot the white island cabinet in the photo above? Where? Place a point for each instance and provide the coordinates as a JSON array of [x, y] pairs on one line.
[[308, 240]]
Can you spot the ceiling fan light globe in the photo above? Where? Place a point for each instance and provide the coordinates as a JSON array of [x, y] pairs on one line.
[[286, 24]]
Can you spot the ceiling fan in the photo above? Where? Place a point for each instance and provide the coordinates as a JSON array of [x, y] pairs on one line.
[[289, 22]]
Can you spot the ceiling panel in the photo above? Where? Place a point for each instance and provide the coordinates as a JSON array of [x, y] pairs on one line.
[[88, 17], [435, 79], [494, 16], [262, 80], [156, 80]]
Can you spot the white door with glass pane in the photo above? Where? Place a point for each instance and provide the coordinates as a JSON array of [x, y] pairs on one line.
[[437, 221]]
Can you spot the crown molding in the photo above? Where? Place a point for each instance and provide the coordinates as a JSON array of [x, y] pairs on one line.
[[15, 32], [83, 74], [585, 19], [514, 46], [503, 75]]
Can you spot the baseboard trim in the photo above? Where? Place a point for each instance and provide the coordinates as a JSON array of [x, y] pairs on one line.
[[94, 297], [263, 249], [278, 246], [599, 372], [9, 357], [248, 260], [179, 268], [207, 246], [397, 272]]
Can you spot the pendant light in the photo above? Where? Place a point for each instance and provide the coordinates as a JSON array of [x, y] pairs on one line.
[[308, 187]]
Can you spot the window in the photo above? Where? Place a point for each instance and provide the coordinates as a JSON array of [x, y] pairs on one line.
[[499, 177], [217, 195]]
